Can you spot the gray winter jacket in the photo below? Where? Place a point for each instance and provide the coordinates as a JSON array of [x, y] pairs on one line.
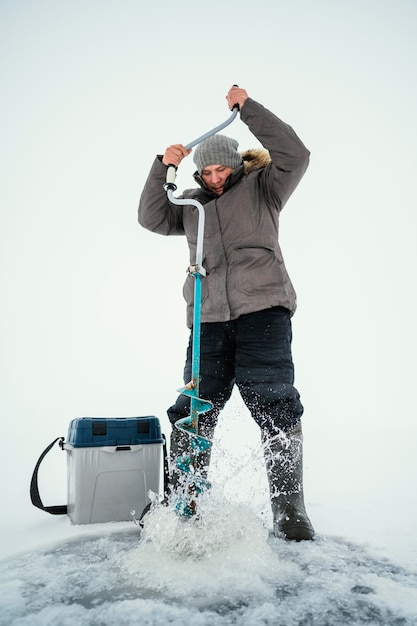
[[241, 253]]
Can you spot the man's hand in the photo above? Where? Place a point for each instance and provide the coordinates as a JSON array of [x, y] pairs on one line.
[[175, 154], [235, 96]]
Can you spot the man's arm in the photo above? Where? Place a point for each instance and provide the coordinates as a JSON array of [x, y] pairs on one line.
[[289, 155], [155, 212]]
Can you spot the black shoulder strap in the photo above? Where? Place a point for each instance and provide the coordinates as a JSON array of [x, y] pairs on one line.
[[34, 489], [166, 468]]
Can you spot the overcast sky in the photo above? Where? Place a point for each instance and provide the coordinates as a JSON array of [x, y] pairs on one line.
[[92, 316]]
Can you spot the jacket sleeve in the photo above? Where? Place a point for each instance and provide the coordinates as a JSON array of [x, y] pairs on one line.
[[289, 156], [155, 212]]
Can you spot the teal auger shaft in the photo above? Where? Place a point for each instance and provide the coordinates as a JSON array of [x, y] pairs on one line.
[[188, 463]]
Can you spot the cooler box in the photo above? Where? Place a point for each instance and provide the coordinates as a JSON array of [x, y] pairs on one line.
[[113, 463]]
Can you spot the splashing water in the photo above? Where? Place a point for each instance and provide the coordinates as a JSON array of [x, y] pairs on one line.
[[201, 556], [218, 525]]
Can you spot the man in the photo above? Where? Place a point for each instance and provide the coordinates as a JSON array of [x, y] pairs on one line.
[[248, 298]]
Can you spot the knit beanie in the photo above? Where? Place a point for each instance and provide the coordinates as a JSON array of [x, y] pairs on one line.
[[217, 150]]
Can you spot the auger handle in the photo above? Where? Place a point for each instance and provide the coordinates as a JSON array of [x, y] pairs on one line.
[[215, 130], [172, 169]]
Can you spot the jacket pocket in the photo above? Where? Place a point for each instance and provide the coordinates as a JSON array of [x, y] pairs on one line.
[[258, 269]]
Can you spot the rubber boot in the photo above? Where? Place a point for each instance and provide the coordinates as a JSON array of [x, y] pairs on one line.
[[284, 465]]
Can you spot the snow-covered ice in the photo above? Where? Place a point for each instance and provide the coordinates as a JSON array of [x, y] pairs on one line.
[[208, 571], [223, 567]]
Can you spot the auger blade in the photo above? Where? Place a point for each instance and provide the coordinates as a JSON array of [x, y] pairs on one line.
[[202, 406]]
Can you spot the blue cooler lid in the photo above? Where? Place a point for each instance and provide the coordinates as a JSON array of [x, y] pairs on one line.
[[87, 432]]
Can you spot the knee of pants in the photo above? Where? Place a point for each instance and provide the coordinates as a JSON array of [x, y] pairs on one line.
[[273, 406], [180, 409]]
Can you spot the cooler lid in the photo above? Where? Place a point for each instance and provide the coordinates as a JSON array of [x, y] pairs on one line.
[[86, 432]]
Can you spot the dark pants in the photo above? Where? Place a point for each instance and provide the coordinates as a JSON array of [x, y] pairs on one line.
[[253, 351]]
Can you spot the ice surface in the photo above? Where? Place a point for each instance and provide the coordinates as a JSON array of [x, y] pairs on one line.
[[220, 568]]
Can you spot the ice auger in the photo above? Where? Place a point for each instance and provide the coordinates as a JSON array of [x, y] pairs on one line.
[[189, 425]]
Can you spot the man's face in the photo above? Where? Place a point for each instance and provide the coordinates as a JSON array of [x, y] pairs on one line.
[[214, 177]]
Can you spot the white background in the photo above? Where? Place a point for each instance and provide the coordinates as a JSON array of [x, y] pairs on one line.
[[92, 316]]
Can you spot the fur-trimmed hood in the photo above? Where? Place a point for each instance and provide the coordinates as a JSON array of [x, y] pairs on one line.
[[255, 159]]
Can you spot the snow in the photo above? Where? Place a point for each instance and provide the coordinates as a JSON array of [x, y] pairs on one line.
[[224, 567], [221, 569]]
